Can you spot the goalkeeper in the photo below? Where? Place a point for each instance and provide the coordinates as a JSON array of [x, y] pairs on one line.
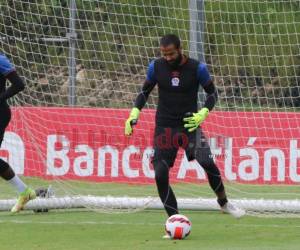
[[177, 120], [7, 71]]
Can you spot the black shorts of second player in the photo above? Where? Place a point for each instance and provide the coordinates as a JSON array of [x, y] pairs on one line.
[[4, 121], [167, 142]]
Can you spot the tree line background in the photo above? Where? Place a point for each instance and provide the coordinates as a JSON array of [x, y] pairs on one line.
[[251, 47]]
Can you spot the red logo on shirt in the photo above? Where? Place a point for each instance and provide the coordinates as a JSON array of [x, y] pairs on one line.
[[175, 74]]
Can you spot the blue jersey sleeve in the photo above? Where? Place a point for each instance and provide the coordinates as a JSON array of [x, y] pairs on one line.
[[5, 65], [203, 75], [150, 73]]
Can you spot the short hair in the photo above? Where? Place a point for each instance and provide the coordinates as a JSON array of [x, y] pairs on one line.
[[170, 39]]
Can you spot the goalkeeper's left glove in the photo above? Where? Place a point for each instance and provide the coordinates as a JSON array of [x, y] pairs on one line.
[[192, 123]]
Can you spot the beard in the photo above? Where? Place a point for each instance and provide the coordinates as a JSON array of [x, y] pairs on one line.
[[175, 63]]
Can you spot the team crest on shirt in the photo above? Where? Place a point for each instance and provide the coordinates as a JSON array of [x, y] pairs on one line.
[[175, 82], [175, 79]]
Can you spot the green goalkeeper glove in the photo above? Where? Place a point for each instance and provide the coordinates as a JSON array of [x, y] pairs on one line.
[[192, 123], [132, 120]]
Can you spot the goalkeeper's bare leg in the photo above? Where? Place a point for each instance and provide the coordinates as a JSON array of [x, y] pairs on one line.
[[25, 193]]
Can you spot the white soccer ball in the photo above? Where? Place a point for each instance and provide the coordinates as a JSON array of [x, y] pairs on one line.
[[178, 226]]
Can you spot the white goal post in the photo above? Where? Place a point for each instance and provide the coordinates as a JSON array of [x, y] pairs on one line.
[[106, 203], [84, 63]]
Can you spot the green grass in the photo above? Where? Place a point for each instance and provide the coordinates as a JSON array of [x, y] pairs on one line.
[[143, 230], [83, 229]]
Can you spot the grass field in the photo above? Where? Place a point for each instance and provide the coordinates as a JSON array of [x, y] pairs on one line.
[[143, 230], [82, 229]]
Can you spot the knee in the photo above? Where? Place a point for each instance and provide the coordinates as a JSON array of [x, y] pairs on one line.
[[206, 162], [209, 166], [161, 170], [204, 157]]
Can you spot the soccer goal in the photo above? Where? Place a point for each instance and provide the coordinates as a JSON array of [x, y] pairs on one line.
[[84, 63]]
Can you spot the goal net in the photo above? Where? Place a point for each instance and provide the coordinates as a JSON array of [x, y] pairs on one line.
[[85, 61]]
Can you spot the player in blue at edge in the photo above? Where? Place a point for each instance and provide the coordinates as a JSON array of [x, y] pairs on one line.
[[8, 72]]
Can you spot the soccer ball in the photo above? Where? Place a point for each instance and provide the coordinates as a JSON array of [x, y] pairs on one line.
[[178, 226]]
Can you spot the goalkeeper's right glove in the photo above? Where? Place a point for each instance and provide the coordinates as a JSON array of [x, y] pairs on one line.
[[132, 120]]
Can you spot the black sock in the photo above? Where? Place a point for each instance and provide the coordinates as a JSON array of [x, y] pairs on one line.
[[222, 202]]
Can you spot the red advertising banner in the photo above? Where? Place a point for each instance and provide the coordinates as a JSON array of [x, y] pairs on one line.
[[89, 144]]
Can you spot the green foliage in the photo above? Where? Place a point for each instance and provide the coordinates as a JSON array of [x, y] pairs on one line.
[[255, 44], [252, 46]]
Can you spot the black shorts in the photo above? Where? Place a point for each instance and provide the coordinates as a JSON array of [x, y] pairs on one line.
[[167, 141], [4, 121]]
